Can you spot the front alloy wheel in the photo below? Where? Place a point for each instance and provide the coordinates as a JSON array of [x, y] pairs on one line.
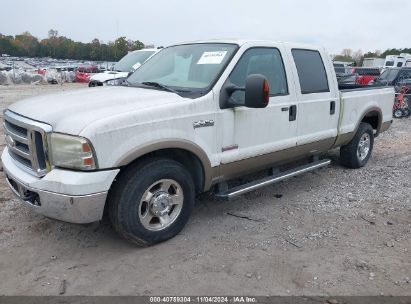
[[151, 200], [161, 204]]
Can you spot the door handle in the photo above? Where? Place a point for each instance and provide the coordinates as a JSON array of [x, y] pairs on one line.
[[292, 114], [332, 107]]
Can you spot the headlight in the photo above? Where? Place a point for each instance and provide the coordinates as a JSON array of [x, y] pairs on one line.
[[115, 82], [72, 152]]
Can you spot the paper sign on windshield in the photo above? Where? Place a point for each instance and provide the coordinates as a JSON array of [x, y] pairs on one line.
[[212, 57]]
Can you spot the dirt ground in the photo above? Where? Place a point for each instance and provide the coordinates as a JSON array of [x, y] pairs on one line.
[[332, 232]]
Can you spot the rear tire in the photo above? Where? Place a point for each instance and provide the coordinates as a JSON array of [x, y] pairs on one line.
[[358, 151], [151, 201]]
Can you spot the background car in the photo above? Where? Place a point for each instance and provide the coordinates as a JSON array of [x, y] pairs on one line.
[[392, 76], [122, 69]]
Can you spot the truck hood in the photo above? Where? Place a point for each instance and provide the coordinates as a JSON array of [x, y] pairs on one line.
[[70, 112], [102, 77]]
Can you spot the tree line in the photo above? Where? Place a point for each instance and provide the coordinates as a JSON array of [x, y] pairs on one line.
[[349, 55], [60, 47]]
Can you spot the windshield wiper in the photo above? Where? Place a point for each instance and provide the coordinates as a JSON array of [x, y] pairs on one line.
[[161, 86]]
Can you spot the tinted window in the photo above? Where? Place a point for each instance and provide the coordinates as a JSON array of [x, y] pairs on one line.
[[367, 71], [389, 63], [265, 61], [311, 71]]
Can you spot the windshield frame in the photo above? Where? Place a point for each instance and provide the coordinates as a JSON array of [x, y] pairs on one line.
[[194, 92]]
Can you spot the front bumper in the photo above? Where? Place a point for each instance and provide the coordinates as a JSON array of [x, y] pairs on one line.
[[70, 196]]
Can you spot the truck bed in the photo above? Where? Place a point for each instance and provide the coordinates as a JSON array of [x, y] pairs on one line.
[[356, 102]]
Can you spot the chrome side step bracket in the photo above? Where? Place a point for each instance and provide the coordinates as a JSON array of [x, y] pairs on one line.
[[272, 179]]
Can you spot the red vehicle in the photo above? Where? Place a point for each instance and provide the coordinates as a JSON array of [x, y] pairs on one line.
[[365, 75], [358, 77], [41, 71], [84, 72]]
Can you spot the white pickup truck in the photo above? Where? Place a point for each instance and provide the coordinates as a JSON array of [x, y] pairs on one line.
[[193, 117]]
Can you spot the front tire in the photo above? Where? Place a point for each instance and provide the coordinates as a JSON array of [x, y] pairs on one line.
[[358, 151], [151, 201]]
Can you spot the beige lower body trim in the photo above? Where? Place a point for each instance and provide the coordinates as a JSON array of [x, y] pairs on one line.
[[343, 139], [249, 165]]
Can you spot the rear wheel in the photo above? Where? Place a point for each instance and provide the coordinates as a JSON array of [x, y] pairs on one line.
[[151, 201], [358, 151]]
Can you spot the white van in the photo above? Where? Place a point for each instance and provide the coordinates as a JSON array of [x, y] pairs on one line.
[[373, 62], [397, 61]]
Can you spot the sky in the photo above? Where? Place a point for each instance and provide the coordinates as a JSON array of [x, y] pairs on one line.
[[356, 24]]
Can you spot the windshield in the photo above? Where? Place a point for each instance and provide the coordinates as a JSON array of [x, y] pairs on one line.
[[185, 68], [127, 62]]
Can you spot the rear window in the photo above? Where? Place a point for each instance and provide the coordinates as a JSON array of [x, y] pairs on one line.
[[389, 63], [339, 68], [311, 71], [367, 71]]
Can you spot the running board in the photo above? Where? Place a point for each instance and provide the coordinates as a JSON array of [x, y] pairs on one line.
[[258, 184]]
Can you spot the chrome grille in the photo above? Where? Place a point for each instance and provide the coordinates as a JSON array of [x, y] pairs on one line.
[[27, 141]]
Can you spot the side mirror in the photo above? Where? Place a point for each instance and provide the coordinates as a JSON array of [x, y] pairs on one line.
[[257, 93]]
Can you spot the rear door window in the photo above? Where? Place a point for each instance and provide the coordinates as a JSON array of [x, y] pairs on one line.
[[311, 71]]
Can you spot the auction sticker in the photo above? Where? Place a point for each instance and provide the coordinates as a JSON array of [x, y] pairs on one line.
[[212, 57]]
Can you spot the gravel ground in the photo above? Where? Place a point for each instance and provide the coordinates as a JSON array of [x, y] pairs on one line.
[[332, 232]]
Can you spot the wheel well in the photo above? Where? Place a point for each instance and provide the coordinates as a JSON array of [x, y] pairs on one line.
[[189, 160], [372, 118]]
